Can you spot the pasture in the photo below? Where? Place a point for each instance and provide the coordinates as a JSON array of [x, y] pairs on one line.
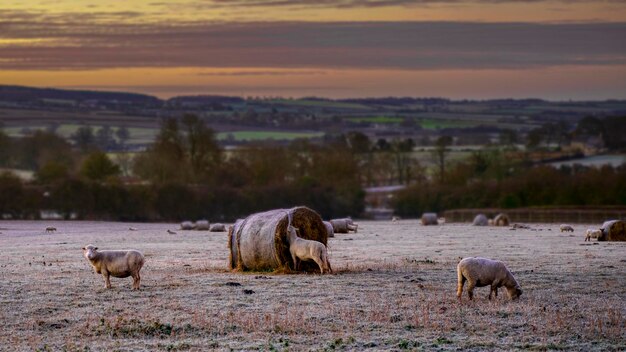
[[393, 289]]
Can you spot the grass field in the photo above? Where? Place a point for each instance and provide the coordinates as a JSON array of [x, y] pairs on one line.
[[393, 289], [265, 135]]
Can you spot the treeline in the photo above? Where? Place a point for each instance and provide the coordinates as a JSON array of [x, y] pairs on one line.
[[184, 174], [515, 186]]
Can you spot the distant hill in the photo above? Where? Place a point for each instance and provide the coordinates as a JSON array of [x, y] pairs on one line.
[[20, 94]]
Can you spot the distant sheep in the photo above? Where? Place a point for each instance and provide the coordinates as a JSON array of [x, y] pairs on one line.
[[202, 225], [329, 228], [50, 229], [217, 227], [479, 272], [589, 234], [186, 225], [566, 228], [344, 225], [302, 250], [120, 263]]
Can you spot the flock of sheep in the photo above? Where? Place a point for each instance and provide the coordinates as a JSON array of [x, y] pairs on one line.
[[476, 272]]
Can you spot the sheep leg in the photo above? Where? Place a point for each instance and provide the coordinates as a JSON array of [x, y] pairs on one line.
[[319, 263], [136, 281], [459, 287], [494, 290], [470, 289], [107, 280]]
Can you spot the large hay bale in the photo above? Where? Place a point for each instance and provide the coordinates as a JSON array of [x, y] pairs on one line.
[[429, 219], [501, 220], [217, 227], [202, 225], [186, 225], [480, 220], [260, 241], [329, 229], [344, 225], [613, 230]]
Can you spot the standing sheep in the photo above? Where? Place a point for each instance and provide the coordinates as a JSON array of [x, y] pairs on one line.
[[481, 272], [120, 263], [566, 228], [589, 234], [302, 249]]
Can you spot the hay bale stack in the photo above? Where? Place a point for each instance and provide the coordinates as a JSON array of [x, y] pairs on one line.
[[429, 219], [613, 230], [480, 220], [202, 225], [186, 225], [329, 229], [344, 225], [217, 227], [501, 220], [260, 241]]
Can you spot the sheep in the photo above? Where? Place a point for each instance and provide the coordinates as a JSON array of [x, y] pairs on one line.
[[50, 229], [589, 234], [116, 263], [217, 227], [302, 249], [566, 228], [481, 272]]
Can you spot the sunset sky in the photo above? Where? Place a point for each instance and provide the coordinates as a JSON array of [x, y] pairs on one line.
[[552, 49]]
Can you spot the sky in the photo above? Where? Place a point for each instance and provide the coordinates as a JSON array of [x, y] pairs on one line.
[[459, 49]]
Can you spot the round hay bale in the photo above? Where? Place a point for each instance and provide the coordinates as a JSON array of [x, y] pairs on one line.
[[329, 229], [186, 225], [260, 241], [613, 230], [480, 220], [429, 219], [501, 220], [202, 225], [217, 227]]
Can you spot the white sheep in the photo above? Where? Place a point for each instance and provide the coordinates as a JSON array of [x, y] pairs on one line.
[[119, 263], [589, 234], [566, 228], [302, 249], [481, 272]]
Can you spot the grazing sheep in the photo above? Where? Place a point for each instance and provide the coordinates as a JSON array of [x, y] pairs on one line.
[[186, 225], [344, 225], [429, 219], [302, 250], [481, 272], [329, 228], [120, 263], [589, 234], [50, 229], [202, 225], [480, 220], [217, 227], [566, 228], [501, 220]]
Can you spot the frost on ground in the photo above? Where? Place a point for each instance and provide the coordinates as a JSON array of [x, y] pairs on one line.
[[393, 289]]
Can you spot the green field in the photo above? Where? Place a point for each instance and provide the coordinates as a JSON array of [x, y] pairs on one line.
[[376, 119], [265, 135]]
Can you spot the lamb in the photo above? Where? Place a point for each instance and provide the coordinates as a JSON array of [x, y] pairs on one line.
[[589, 234], [116, 263], [302, 249], [481, 272], [566, 228]]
